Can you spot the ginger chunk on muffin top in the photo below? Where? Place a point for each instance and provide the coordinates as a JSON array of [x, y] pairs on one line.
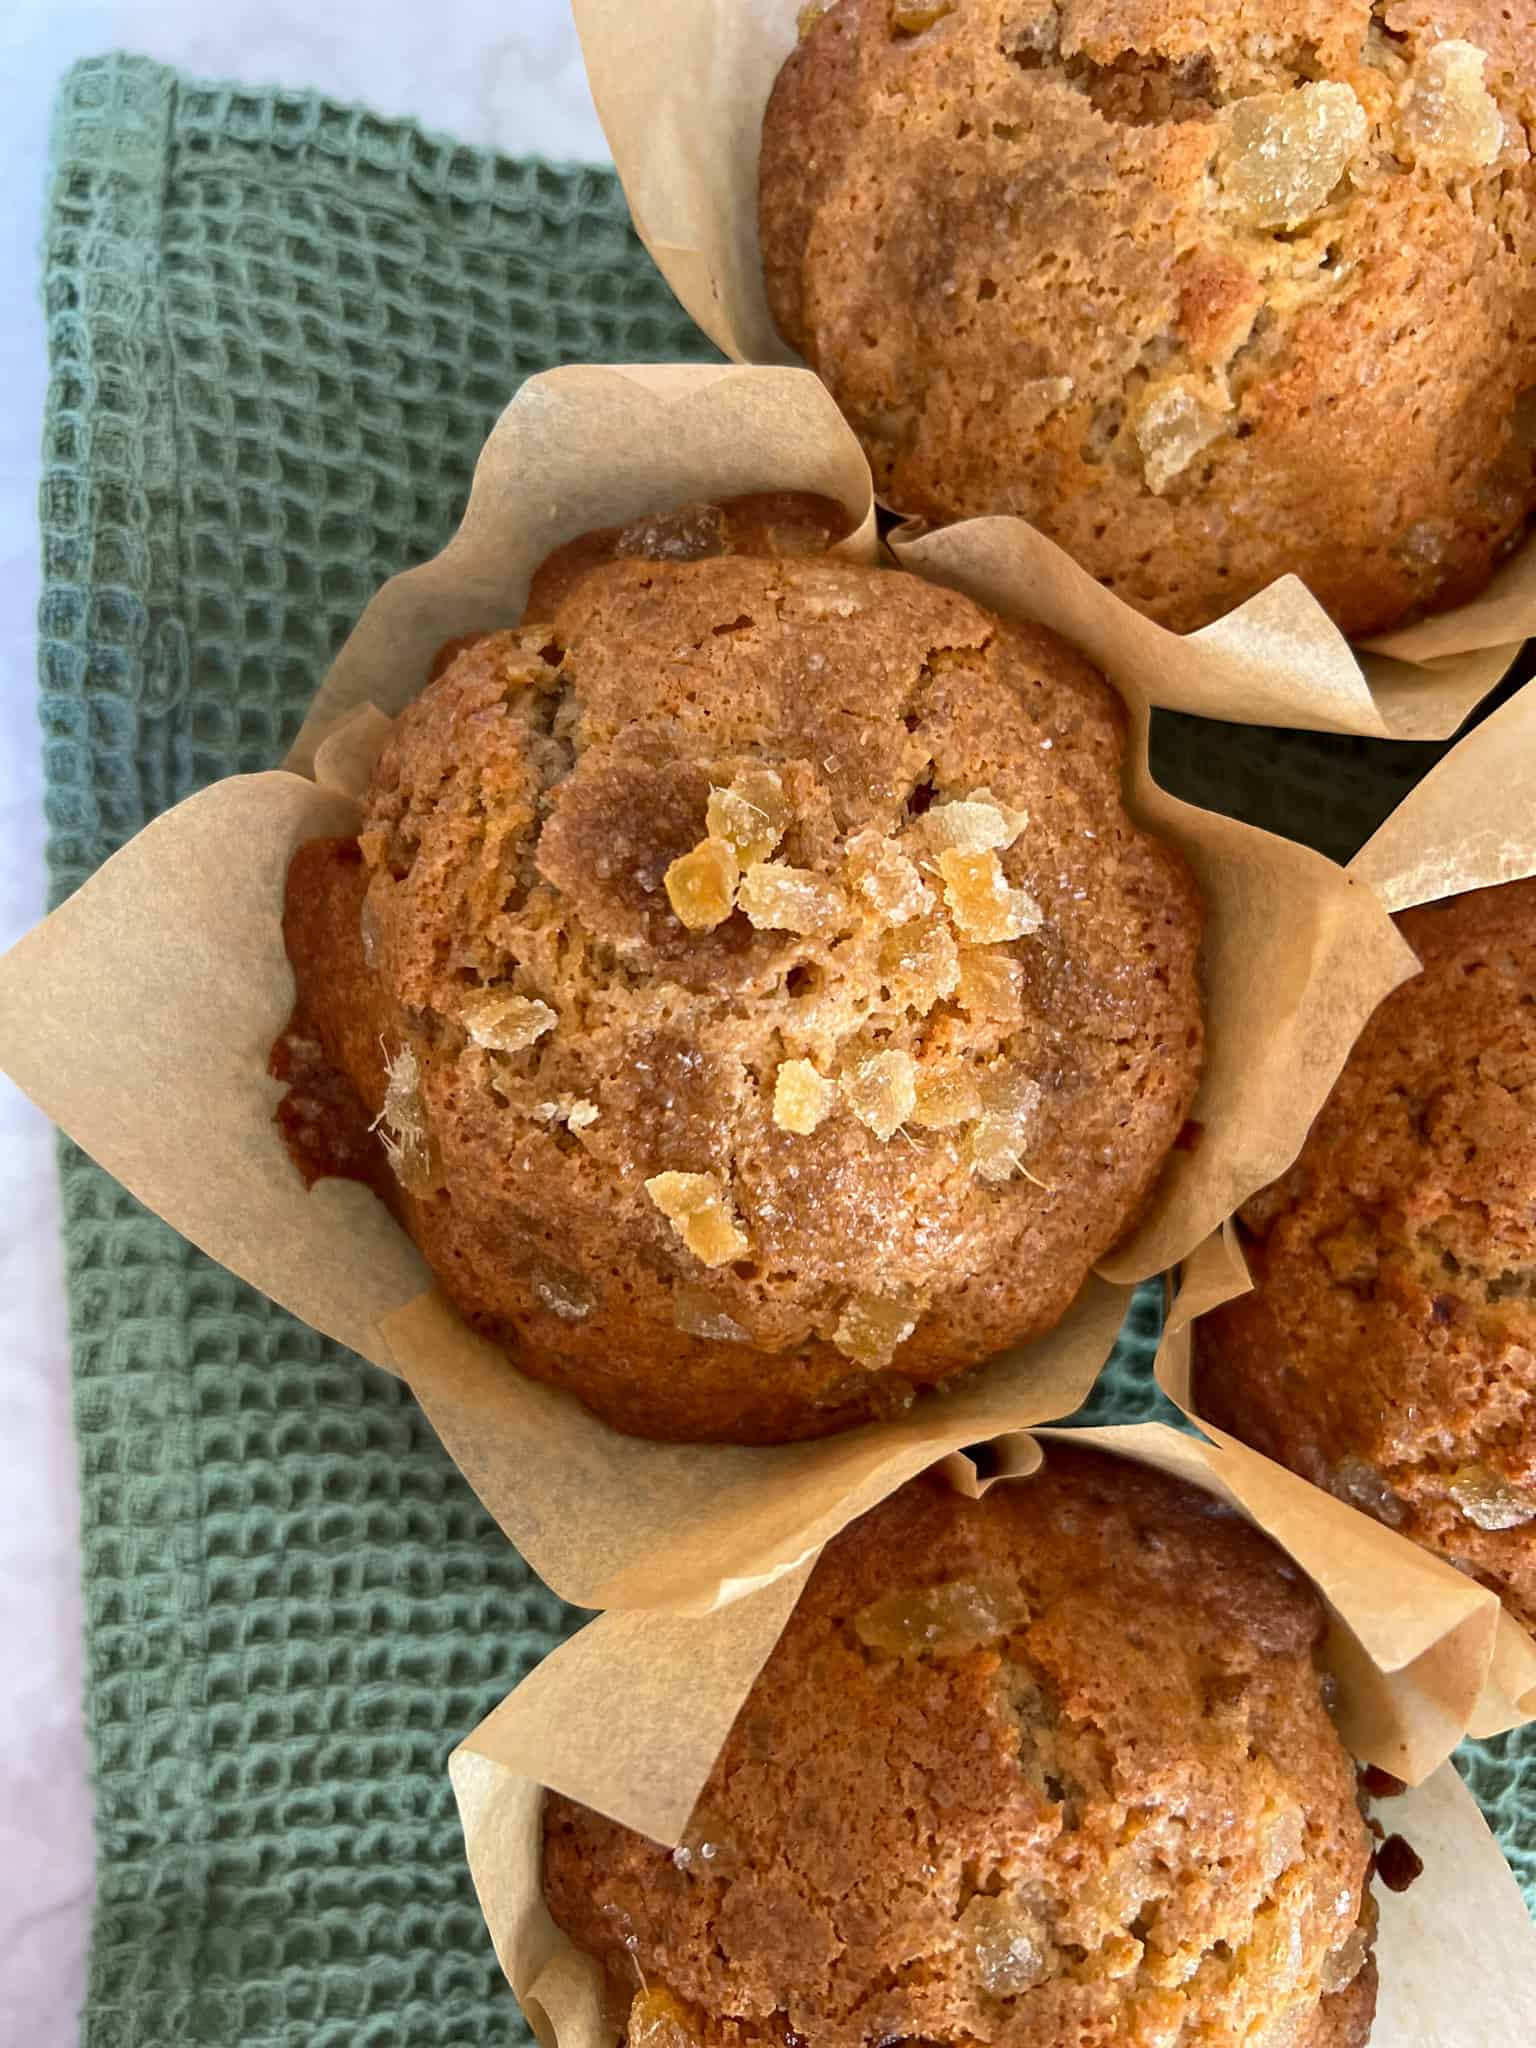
[[1207, 294], [767, 1000]]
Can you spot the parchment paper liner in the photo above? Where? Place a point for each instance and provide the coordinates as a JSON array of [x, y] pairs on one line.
[[1471, 823], [681, 86], [140, 1016], [629, 1716]]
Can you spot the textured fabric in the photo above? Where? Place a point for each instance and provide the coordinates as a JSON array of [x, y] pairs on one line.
[[279, 330]]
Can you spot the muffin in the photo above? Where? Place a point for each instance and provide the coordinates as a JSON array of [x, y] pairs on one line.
[[1388, 1350], [1049, 1768], [764, 1001], [1207, 294]]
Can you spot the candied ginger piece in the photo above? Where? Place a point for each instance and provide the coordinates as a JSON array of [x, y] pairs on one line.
[[565, 1295], [946, 1095], [942, 1621], [911, 17], [1282, 1838], [1002, 1133], [920, 963], [881, 1090], [1172, 428], [753, 814], [872, 1327], [711, 1847], [701, 885], [699, 1210], [1285, 152], [658, 2020], [1491, 1502], [506, 1023], [974, 824], [980, 901], [698, 1314], [886, 880], [1342, 1965], [778, 898], [801, 1097], [571, 1110], [402, 1123], [811, 13], [991, 985], [1449, 115], [1008, 1941], [1365, 1488], [689, 534]]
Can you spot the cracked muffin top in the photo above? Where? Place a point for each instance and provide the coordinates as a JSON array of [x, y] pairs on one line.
[[764, 997], [1051, 1770], [1207, 294], [1388, 1350]]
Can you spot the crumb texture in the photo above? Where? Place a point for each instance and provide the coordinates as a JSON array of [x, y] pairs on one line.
[[1208, 295], [1388, 1351], [767, 1002], [1052, 1769]]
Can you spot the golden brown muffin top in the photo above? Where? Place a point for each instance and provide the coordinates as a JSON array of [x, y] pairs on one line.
[[1389, 1349], [781, 1008], [1207, 294], [1052, 1768]]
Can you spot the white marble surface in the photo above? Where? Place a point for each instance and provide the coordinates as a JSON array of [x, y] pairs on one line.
[[496, 71]]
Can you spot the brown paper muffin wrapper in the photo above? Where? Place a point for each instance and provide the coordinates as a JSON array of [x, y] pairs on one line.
[[629, 1716], [681, 86], [1470, 824], [140, 1016]]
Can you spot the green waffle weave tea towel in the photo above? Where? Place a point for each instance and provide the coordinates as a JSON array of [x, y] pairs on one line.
[[279, 330]]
